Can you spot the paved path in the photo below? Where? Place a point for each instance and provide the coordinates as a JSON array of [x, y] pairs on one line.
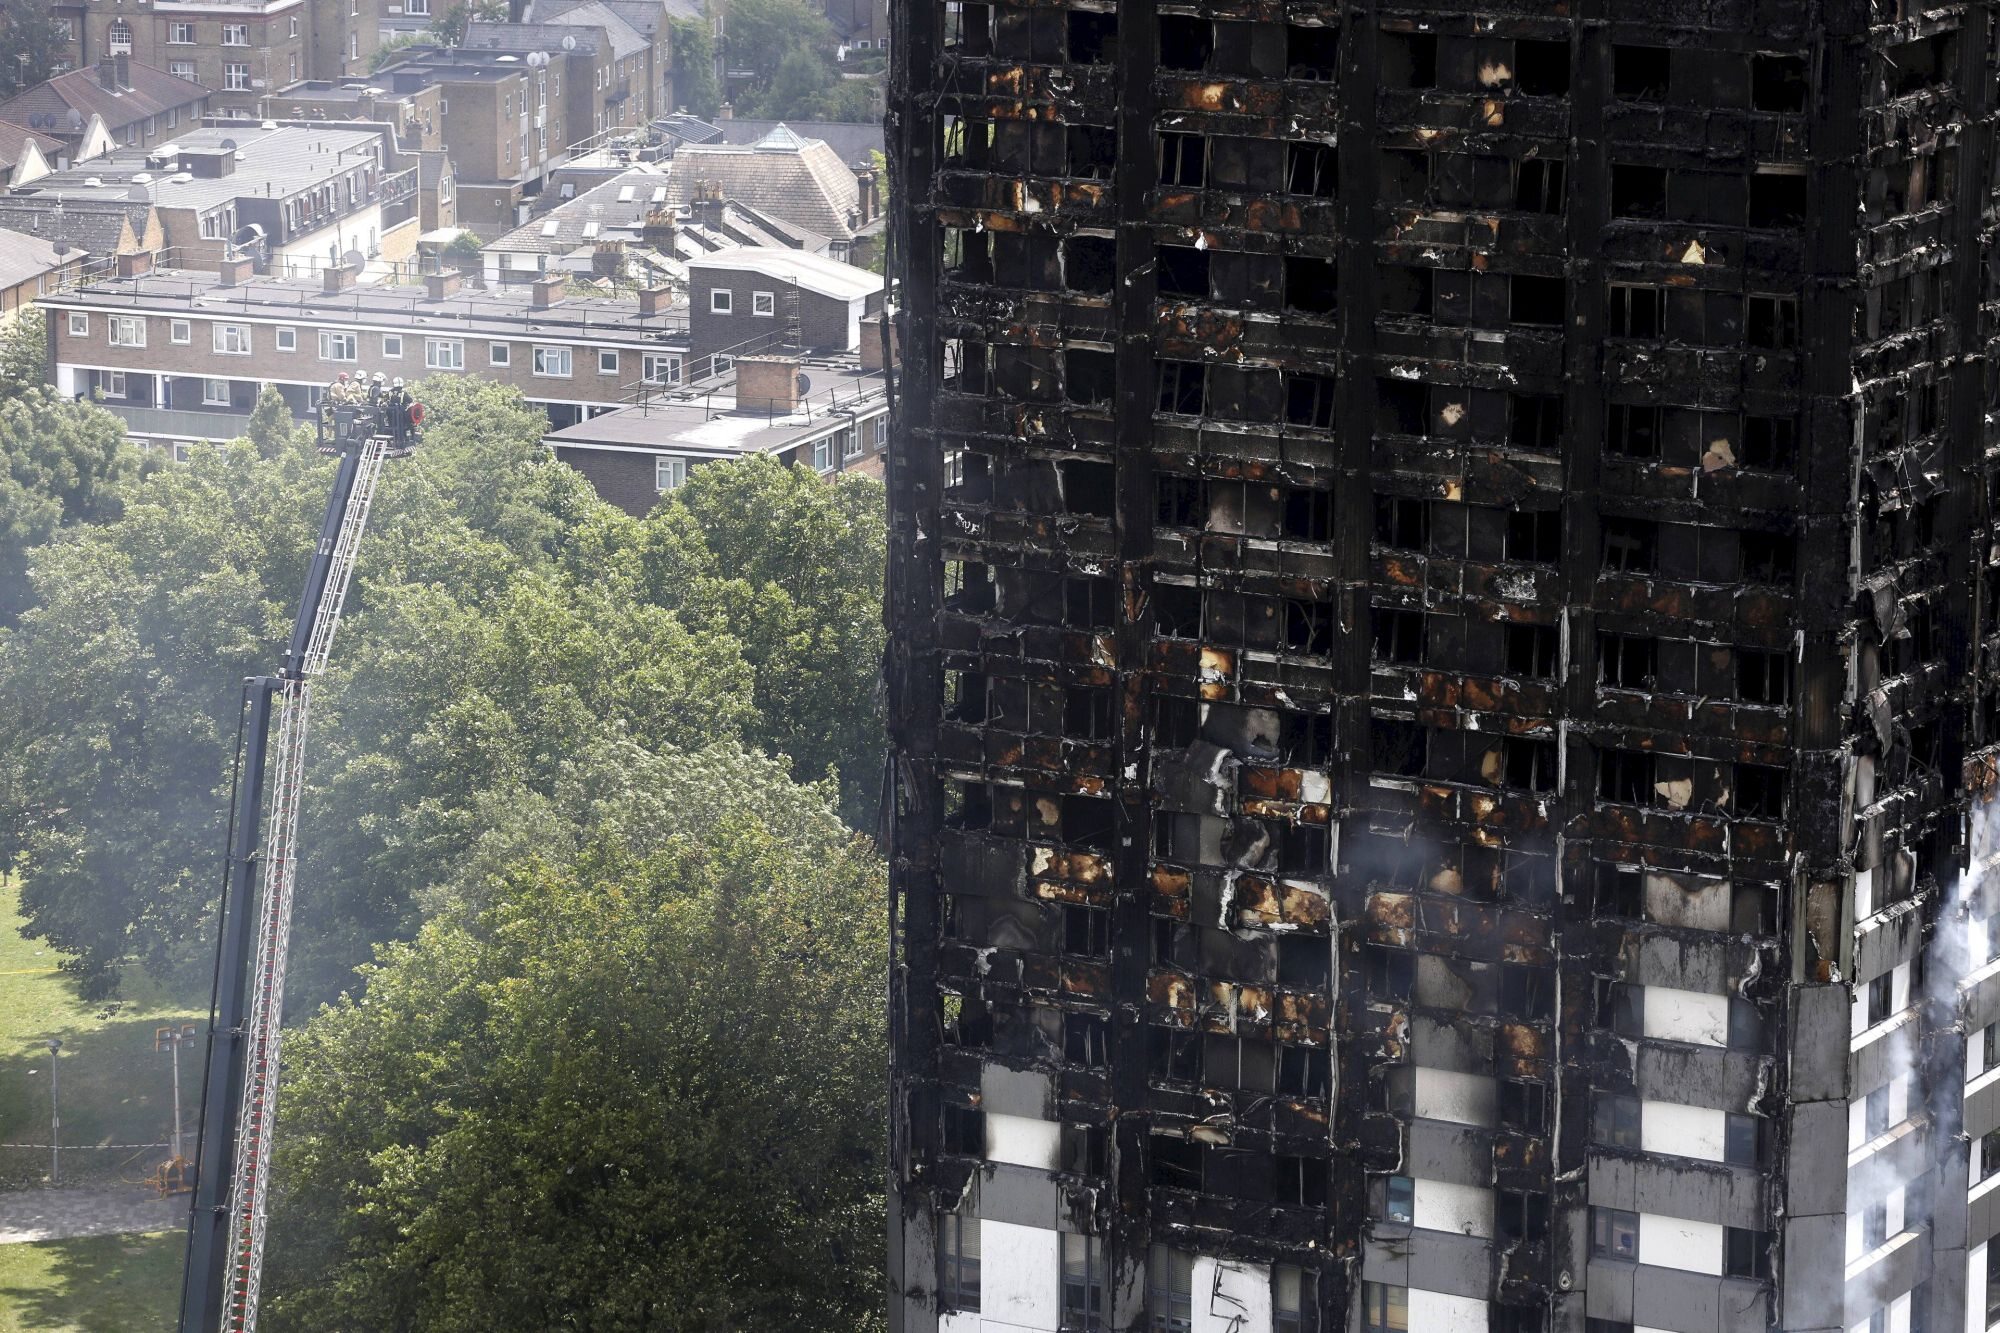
[[60, 1214]]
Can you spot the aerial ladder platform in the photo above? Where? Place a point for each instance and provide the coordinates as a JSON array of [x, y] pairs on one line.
[[362, 424]]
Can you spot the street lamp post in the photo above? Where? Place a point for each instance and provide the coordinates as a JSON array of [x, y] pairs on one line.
[[55, 1117]]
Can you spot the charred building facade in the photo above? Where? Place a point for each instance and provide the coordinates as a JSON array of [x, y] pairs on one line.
[[1442, 568]]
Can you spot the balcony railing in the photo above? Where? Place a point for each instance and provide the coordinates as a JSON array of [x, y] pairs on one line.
[[181, 423]]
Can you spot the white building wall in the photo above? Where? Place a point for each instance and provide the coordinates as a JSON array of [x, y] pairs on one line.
[[1019, 1276], [1680, 1242], [1681, 1131], [1975, 1282], [1685, 1015], [1231, 1297], [1465, 1209], [1444, 1094], [1435, 1312], [1023, 1142]]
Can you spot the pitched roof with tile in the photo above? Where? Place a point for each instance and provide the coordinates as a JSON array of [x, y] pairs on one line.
[[591, 25], [153, 92], [644, 16], [95, 227], [801, 181], [620, 204], [14, 141], [23, 257]]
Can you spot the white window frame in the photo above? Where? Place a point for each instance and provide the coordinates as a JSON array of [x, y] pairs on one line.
[[823, 454], [669, 472], [180, 332], [444, 354], [764, 305], [180, 34], [79, 324], [607, 361], [295, 27], [181, 69], [879, 433], [208, 396], [546, 356], [721, 301], [236, 34], [287, 338], [230, 339], [850, 444], [236, 77], [113, 384], [656, 362], [331, 340], [128, 330], [392, 347], [417, 8], [500, 354]]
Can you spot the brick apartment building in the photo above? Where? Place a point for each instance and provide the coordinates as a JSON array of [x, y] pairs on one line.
[[1442, 671], [240, 50], [118, 102]]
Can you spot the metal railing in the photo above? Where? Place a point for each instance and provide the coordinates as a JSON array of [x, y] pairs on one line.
[[180, 422]]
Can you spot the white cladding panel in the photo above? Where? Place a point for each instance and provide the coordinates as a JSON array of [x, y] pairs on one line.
[[1231, 1297], [1444, 1094], [1435, 1312], [1685, 1015], [1465, 1209], [1682, 1131], [1023, 1142], [1019, 1275], [1679, 1242]]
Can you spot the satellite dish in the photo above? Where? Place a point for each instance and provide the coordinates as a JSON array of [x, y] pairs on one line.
[[228, 145], [139, 193], [75, 119], [354, 261], [569, 41], [805, 384]]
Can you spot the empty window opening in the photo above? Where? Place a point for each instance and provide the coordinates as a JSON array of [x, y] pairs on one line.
[[1089, 377], [1309, 627], [1088, 487], [1641, 73], [1086, 1040], [1777, 199], [1093, 151], [1769, 557], [1183, 160], [1091, 35], [1308, 516], [1634, 431], [1534, 536], [1403, 522], [1638, 191], [1090, 603], [1186, 42], [1631, 545], [1312, 52], [1636, 311], [1772, 322], [1778, 83], [1769, 443], [1760, 791], [1402, 407], [1398, 747], [1182, 388], [1310, 284], [1309, 399], [1181, 270], [1541, 69], [1407, 59], [1530, 764], [1538, 185], [1177, 611], [1625, 776], [1763, 677], [1090, 263], [1535, 301], [1310, 168], [1627, 661], [1534, 421], [1531, 651], [1399, 635]]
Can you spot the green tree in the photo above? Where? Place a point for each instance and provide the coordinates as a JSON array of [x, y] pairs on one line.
[[642, 1089], [790, 566], [24, 352], [449, 26], [272, 429], [463, 250], [31, 44], [60, 464], [695, 85]]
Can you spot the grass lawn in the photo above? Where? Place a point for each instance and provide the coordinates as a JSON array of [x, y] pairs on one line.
[[115, 1088], [94, 1284]]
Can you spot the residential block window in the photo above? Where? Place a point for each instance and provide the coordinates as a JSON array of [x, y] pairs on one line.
[[958, 1261], [181, 69], [1083, 1264], [1169, 1291], [607, 361], [236, 78], [1384, 1309], [392, 346], [552, 361], [669, 473], [499, 354], [215, 393], [661, 369], [180, 34], [236, 34], [234, 339], [79, 324], [128, 331], [338, 346], [112, 383], [444, 354], [287, 338], [1291, 1292], [1614, 1233], [763, 303], [180, 332], [721, 302]]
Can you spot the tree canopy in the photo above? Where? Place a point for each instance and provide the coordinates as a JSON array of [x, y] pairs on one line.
[[32, 42], [789, 46], [61, 463]]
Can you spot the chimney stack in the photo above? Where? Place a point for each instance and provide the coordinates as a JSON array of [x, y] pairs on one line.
[[135, 263], [655, 301], [122, 67], [607, 259], [437, 286], [337, 279], [235, 272], [107, 74], [767, 384], [657, 231], [548, 291], [864, 176], [871, 344]]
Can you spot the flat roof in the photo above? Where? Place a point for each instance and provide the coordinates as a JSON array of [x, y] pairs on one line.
[[814, 273], [270, 164], [495, 311], [706, 423]]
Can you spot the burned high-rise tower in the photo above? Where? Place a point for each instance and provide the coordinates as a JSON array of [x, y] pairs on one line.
[[1442, 568]]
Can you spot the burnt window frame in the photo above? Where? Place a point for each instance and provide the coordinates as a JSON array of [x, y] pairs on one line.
[[1530, 651], [1398, 635], [1539, 185], [1627, 777], [1182, 160]]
